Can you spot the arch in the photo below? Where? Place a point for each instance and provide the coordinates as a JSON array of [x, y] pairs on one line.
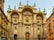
[[15, 36], [27, 35], [27, 9], [40, 15], [14, 17], [39, 37], [14, 13]]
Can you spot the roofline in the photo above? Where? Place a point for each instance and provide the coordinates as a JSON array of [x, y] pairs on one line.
[[50, 16], [4, 14]]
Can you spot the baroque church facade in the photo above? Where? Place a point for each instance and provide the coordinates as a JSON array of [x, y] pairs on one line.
[[26, 23]]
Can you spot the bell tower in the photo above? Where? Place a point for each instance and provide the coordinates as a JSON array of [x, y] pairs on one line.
[[2, 4]]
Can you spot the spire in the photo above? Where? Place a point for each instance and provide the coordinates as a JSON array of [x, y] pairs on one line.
[[34, 4], [44, 10], [53, 9], [14, 7], [39, 9], [27, 2], [20, 2], [9, 7]]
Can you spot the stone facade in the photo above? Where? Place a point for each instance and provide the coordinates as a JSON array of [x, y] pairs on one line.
[[2, 4], [26, 22], [3, 22], [50, 26], [3, 26]]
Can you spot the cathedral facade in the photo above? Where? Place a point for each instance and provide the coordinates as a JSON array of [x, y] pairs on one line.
[[26, 23]]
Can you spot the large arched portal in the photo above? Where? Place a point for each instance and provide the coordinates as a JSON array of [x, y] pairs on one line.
[[39, 37], [27, 35], [15, 37], [27, 16]]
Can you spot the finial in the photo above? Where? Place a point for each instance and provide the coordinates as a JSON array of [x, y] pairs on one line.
[[9, 7], [34, 4], [27, 2], [44, 10], [14, 7], [53, 9], [39, 9], [20, 2]]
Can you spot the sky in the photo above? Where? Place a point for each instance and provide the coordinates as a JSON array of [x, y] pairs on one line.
[[47, 4]]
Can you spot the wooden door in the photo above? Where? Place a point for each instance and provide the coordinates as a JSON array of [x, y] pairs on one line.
[[15, 37], [27, 35]]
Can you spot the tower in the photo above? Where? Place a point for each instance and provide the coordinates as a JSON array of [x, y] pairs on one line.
[[2, 4]]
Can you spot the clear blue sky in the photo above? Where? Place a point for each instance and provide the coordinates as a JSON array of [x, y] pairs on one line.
[[48, 4]]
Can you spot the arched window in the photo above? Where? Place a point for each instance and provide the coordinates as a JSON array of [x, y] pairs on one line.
[[14, 17], [39, 19], [27, 16]]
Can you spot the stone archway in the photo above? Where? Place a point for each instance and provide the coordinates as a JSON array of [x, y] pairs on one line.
[[39, 37], [27, 35], [15, 37]]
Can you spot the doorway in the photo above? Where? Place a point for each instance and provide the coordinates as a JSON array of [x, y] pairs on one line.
[[27, 35], [38, 37], [15, 37]]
